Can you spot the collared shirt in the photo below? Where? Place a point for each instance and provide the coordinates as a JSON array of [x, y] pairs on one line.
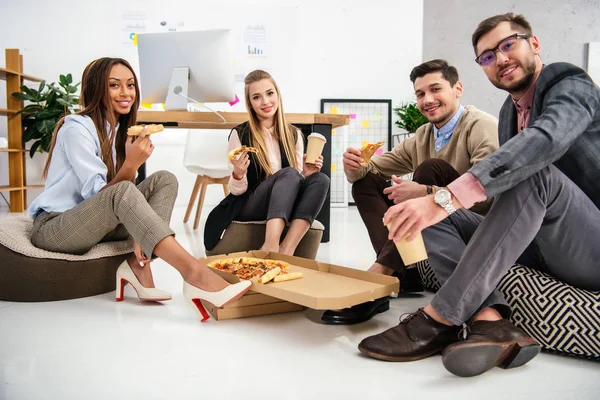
[[444, 134], [523, 107], [77, 171], [467, 189]]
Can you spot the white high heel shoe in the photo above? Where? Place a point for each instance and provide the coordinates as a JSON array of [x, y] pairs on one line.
[[125, 275], [218, 299]]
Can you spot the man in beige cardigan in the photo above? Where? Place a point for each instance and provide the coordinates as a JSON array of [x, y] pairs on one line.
[[456, 138]]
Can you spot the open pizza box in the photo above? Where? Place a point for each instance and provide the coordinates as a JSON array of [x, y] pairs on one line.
[[322, 287]]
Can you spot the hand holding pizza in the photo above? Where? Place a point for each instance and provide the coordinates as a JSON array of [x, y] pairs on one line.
[[138, 150], [352, 159], [240, 165]]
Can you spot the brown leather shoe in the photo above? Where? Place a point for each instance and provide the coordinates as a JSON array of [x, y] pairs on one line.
[[490, 344], [417, 336]]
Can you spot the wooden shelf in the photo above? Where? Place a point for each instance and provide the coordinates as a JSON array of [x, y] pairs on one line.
[[17, 188], [5, 72], [4, 111], [17, 161]]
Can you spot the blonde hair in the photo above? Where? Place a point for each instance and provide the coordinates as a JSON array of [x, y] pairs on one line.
[[283, 131]]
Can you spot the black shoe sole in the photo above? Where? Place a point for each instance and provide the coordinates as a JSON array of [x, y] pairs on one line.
[[380, 309], [474, 359]]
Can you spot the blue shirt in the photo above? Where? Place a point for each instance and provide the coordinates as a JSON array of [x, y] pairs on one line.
[[76, 171], [444, 134]]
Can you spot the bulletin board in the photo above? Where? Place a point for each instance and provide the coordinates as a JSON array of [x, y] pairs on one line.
[[370, 121]]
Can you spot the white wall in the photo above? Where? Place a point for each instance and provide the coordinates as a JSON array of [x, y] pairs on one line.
[[354, 49], [563, 27]]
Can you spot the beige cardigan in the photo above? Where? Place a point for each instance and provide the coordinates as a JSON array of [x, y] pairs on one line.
[[475, 137]]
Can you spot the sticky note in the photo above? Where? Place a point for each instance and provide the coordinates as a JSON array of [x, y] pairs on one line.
[[146, 105], [365, 123], [333, 132], [333, 168], [364, 143], [352, 116], [379, 151], [333, 110], [237, 100], [377, 117], [135, 39]]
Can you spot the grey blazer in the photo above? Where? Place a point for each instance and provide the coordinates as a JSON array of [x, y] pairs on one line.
[[563, 129]]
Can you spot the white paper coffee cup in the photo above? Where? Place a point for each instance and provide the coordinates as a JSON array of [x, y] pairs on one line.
[[411, 252], [314, 148]]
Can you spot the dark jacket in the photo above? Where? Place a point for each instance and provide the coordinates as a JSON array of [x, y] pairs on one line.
[[222, 215], [563, 129]]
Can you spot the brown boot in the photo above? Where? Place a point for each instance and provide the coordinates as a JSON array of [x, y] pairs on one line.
[[490, 344], [417, 336]]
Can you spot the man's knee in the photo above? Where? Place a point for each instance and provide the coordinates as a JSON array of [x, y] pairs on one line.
[[370, 183], [435, 171]]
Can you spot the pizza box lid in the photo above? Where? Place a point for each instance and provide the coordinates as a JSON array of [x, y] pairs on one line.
[[323, 286]]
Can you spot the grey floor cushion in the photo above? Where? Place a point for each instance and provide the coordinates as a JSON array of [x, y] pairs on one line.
[[245, 236], [564, 319], [31, 274]]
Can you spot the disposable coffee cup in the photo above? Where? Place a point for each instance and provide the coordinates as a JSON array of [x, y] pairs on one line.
[[314, 149], [411, 252]]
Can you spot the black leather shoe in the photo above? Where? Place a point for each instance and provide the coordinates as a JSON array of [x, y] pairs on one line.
[[410, 282], [417, 336], [490, 344], [356, 314]]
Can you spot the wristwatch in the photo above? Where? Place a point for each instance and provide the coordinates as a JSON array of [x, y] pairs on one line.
[[443, 198]]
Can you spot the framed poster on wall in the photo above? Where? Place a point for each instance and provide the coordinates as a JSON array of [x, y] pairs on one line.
[[370, 121]]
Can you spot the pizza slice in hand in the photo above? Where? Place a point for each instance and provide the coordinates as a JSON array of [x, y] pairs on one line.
[[368, 150], [240, 150], [136, 130]]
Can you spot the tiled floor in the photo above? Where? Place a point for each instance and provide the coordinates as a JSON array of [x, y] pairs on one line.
[[95, 348]]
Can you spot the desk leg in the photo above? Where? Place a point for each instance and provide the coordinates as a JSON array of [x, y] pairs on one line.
[[141, 174], [325, 215]]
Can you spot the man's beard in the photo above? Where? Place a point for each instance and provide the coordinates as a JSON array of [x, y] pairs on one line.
[[441, 119], [524, 83]]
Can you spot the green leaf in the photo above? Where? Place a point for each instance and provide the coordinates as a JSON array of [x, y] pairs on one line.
[[23, 96], [42, 86], [69, 79], [44, 125], [28, 134], [71, 89], [45, 143], [34, 148], [63, 102]]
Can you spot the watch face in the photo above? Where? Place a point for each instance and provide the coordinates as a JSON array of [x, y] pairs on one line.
[[442, 196]]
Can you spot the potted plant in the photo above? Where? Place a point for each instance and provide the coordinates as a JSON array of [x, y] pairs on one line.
[[48, 104], [409, 117]]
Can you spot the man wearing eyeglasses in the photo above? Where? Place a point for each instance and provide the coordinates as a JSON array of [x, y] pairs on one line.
[[546, 212]]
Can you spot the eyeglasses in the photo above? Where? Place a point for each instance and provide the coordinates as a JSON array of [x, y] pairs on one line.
[[506, 46]]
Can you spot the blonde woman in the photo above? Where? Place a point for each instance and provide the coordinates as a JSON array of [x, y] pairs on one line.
[[274, 184]]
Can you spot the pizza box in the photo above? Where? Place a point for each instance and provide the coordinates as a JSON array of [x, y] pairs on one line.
[[323, 287], [250, 305]]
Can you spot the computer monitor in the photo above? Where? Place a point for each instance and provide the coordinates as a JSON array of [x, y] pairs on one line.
[[179, 66]]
